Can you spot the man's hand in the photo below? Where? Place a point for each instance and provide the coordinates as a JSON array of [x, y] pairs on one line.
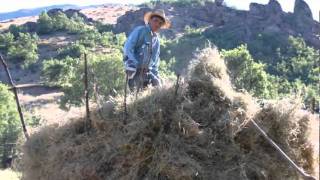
[[130, 69], [130, 74]]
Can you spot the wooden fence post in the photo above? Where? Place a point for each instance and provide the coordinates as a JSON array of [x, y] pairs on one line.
[[14, 88], [88, 120]]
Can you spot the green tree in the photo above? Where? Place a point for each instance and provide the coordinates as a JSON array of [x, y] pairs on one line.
[[15, 30], [24, 49], [246, 73], [6, 40], [9, 124], [44, 24], [298, 61], [74, 50], [105, 73], [59, 72], [60, 21]]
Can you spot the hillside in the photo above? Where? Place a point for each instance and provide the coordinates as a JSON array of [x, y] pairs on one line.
[[234, 26], [22, 13], [234, 65]]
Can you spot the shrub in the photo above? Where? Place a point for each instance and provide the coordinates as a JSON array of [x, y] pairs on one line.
[[15, 30], [90, 38], [298, 61], [59, 72], [24, 49], [74, 50], [6, 40], [44, 24], [60, 22], [9, 124], [105, 73], [246, 73]]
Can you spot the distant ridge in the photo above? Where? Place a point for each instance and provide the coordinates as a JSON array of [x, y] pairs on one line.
[[36, 11]]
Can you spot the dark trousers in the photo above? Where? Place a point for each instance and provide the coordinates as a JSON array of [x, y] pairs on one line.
[[147, 79]]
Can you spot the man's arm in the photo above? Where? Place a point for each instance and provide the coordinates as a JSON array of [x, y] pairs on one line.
[[130, 45], [155, 59]]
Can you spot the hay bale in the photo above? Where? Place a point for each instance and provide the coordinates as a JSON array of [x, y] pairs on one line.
[[200, 133]]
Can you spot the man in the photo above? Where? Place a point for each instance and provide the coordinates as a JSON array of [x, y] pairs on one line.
[[142, 49]]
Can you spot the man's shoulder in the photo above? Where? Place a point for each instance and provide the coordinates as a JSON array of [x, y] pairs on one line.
[[140, 28]]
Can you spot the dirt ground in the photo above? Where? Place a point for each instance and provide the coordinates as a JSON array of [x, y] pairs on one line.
[[44, 103], [17, 21], [107, 14]]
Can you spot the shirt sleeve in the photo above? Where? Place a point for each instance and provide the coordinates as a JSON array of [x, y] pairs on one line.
[[155, 59], [130, 44]]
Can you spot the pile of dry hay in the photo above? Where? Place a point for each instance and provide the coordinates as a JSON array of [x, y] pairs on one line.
[[202, 132]]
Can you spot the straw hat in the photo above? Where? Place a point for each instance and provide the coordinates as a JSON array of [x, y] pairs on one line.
[[160, 13]]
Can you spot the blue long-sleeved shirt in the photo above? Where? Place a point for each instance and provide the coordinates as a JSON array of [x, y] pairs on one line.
[[134, 47]]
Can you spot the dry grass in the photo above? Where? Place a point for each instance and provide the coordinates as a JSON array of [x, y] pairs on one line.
[[17, 21], [107, 14], [200, 133]]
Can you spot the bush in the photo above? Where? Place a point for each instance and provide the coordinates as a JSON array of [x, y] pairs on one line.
[[76, 25], [74, 50], [103, 27], [246, 73], [298, 61], [60, 22], [59, 72], [24, 50], [90, 38], [15, 30], [182, 48], [9, 124], [166, 69], [105, 72], [6, 40], [44, 24]]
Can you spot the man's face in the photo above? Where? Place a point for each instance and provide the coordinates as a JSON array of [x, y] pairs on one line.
[[156, 23]]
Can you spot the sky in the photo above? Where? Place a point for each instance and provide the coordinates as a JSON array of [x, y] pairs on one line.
[[12, 5]]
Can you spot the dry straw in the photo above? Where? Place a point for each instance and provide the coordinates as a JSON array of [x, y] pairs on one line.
[[200, 133]]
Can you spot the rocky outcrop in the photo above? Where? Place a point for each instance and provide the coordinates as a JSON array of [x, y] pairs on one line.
[[130, 19], [245, 25], [219, 2], [274, 7], [301, 8]]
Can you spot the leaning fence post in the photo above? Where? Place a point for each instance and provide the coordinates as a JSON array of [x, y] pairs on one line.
[[86, 91], [14, 88], [177, 84], [305, 175]]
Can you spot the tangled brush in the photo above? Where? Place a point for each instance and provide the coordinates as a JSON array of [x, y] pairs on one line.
[[201, 132]]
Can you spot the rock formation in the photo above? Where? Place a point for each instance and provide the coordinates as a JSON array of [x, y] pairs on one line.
[[301, 8], [269, 18]]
